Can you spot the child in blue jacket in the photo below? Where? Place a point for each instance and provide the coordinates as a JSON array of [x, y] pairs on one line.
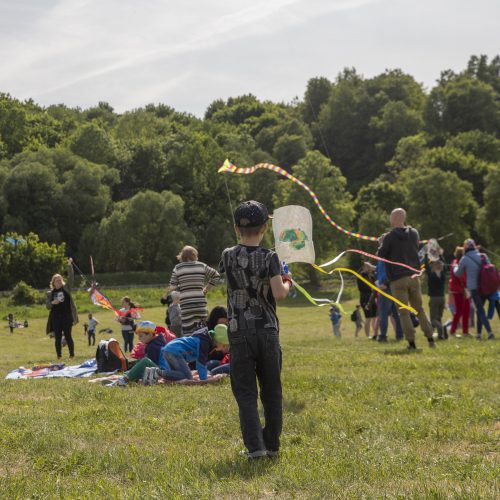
[[177, 354]]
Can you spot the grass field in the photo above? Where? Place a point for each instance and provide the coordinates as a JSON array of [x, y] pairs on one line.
[[362, 420]]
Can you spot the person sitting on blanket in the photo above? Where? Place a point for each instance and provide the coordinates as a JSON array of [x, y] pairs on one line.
[[176, 356], [217, 316], [139, 350], [221, 343], [146, 332]]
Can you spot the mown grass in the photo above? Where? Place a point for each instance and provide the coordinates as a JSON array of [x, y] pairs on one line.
[[362, 420]]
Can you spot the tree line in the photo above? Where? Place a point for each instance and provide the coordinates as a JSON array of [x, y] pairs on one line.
[[132, 188]]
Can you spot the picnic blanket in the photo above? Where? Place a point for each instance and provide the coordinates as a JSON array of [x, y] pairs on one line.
[[86, 369]]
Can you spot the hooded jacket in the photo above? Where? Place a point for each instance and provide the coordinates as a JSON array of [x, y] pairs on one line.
[[153, 348], [193, 348], [471, 264], [400, 245]]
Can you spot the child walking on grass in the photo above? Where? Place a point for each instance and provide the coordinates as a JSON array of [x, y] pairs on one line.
[[336, 319], [255, 280]]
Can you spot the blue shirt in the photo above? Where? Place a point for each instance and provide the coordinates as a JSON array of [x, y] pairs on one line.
[[187, 348]]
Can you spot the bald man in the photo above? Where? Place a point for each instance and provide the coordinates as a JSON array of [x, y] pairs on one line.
[[401, 245]]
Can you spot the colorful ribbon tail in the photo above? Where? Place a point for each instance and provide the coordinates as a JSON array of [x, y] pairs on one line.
[[371, 285], [312, 300]]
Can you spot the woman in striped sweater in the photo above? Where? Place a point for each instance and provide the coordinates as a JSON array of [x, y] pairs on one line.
[[193, 279]]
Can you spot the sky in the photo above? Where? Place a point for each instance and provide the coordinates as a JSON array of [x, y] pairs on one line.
[[188, 53]]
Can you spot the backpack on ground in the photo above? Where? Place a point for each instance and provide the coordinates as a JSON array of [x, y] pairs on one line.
[[489, 278], [110, 357], [354, 316]]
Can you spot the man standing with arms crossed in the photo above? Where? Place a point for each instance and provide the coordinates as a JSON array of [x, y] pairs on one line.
[[401, 245]]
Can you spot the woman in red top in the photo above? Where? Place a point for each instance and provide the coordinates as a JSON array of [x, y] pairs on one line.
[[456, 287]]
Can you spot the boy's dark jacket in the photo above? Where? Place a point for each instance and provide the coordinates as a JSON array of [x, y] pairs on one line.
[[153, 348], [400, 245]]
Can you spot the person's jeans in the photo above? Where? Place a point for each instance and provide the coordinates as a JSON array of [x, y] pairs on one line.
[[63, 326], [225, 368], [137, 371], [407, 290], [212, 363], [481, 315], [336, 328], [256, 355], [178, 367], [436, 309], [386, 307], [91, 336], [128, 340]]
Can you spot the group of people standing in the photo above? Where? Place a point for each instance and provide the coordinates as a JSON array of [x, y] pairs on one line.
[[401, 245]]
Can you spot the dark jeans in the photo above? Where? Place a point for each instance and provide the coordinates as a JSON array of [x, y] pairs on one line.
[[91, 336], [128, 340], [481, 315], [436, 309], [215, 367], [385, 308], [178, 367], [256, 355], [62, 326]]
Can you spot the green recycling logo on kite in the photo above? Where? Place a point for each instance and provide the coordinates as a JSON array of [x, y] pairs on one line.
[[295, 237]]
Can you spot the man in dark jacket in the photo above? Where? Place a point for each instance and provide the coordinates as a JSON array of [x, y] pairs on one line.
[[401, 245]]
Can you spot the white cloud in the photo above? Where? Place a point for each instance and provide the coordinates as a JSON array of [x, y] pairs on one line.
[[188, 53]]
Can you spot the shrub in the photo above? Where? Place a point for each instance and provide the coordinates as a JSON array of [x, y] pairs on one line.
[[23, 295]]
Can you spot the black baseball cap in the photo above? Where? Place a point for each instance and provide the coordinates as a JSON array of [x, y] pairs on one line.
[[251, 214]]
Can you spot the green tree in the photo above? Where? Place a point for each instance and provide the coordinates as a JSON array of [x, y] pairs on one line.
[[379, 194], [93, 143], [144, 232], [487, 72], [28, 259], [488, 222], [289, 149], [482, 145], [425, 191], [32, 193], [363, 121], [317, 93], [26, 126], [462, 103]]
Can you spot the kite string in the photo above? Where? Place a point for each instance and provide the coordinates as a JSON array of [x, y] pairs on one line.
[[231, 207]]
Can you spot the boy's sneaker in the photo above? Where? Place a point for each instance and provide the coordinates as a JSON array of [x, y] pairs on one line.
[[478, 336], [254, 454], [411, 345], [491, 336], [146, 377], [272, 453], [382, 339], [154, 375], [119, 382], [432, 344]]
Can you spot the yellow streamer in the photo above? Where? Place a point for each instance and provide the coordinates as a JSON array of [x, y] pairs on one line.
[[371, 285]]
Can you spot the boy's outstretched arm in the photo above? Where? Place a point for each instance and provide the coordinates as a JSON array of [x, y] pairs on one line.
[[279, 287]]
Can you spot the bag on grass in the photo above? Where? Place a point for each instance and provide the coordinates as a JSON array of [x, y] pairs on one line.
[[110, 357], [354, 316]]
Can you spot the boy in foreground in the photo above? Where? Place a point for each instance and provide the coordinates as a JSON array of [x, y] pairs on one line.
[[255, 280]]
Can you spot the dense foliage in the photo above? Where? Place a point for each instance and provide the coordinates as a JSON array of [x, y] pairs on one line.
[[132, 188]]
